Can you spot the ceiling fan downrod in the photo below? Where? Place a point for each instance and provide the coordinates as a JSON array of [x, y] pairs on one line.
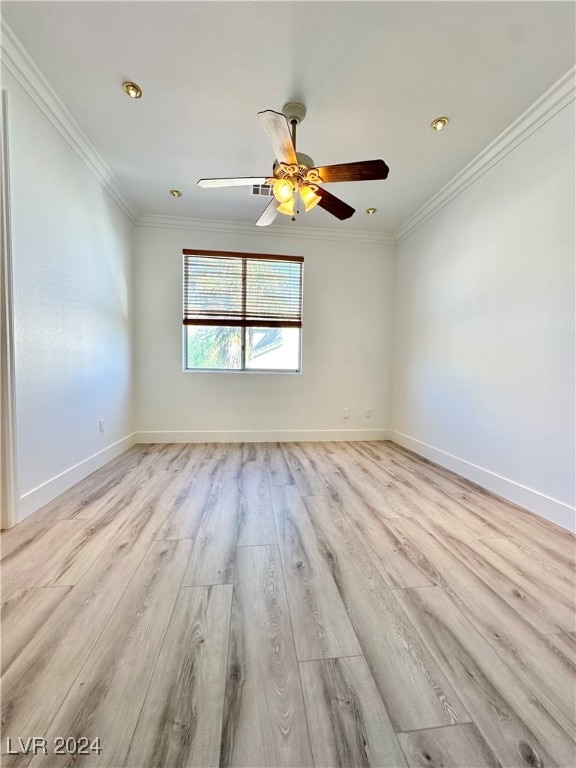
[[293, 125], [294, 113]]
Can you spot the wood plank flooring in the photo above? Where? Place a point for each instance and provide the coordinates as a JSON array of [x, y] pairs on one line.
[[297, 604]]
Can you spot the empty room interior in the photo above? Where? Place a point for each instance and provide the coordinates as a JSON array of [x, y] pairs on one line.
[[287, 387]]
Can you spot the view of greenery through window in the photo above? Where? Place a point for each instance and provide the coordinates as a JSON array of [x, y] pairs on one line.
[[214, 347], [220, 348]]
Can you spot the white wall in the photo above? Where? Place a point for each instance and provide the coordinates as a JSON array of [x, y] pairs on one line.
[[483, 347], [346, 345], [71, 251], [484, 328]]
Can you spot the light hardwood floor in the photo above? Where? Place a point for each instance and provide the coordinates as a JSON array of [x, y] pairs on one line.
[[304, 604]]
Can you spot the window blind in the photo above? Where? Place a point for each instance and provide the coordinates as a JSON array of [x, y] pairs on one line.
[[241, 289]]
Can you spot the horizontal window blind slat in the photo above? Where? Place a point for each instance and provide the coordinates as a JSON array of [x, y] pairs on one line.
[[235, 255], [245, 323], [244, 290]]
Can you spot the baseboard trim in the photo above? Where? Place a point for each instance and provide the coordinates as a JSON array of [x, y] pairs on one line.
[[261, 436], [545, 506], [42, 494]]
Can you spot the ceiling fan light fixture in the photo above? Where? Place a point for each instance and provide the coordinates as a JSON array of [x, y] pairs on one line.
[[132, 90], [287, 208], [309, 196], [283, 190]]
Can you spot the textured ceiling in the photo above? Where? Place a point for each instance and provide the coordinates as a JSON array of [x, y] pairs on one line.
[[371, 74]]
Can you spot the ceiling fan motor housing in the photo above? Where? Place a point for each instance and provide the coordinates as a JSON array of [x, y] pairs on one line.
[[303, 159]]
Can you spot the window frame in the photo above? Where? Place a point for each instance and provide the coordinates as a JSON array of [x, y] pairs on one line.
[[243, 328]]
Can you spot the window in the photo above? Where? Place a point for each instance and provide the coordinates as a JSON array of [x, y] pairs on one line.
[[242, 312]]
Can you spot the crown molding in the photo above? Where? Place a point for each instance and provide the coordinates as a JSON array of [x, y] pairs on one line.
[[560, 95], [20, 65], [276, 230]]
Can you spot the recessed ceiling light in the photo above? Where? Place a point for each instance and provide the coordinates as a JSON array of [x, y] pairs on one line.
[[438, 123], [371, 211], [132, 90], [175, 193]]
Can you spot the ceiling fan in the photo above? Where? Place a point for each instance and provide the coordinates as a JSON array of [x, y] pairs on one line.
[[294, 175]]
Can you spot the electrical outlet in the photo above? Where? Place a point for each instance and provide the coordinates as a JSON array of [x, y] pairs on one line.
[[101, 425], [346, 413], [368, 413]]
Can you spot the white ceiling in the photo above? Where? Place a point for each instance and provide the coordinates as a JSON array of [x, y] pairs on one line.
[[371, 74]]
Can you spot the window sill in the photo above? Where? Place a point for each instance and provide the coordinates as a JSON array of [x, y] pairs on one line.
[[216, 370]]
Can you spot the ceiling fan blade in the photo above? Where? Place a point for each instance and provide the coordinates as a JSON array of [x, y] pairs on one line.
[[278, 131], [268, 214], [368, 170], [239, 181], [334, 205]]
